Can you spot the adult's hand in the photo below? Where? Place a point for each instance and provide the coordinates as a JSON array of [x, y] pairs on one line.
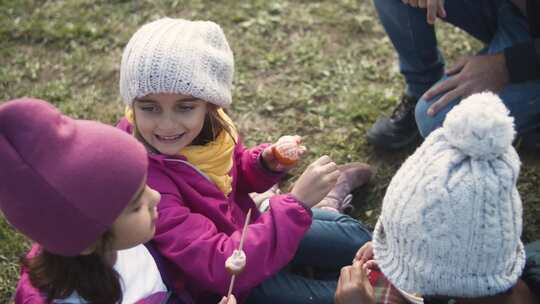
[[435, 8], [469, 75]]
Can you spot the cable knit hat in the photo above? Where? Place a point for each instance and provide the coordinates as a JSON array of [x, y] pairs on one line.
[[178, 56], [63, 182], [451, 218]]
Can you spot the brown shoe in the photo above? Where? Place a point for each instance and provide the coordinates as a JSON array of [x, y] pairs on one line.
[[353, 175]]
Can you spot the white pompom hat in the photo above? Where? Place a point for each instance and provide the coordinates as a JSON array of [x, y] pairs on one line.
[[451, 218], [178, 56]]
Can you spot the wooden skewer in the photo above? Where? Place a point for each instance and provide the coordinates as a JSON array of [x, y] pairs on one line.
[[244, 230], [242, 237], [230, 289]]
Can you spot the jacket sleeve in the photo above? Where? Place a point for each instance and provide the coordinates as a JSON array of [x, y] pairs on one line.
[[193, 245], [523, 61], [251, 173], [26, 293]]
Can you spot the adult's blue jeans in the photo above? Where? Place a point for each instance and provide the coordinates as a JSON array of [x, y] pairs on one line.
[[497, 23], [330, 243]]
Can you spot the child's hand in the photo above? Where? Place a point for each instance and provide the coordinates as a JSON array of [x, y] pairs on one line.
[[365, 257], [272, 160], [353, 286], [232, 300], [316, 181], [365, 253], [370, 265]]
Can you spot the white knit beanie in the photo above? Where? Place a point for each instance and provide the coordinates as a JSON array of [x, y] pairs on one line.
[[180, 57], [451, 218]]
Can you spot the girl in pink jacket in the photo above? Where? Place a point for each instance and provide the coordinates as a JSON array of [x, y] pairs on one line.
[[78, 189], [176, 77]]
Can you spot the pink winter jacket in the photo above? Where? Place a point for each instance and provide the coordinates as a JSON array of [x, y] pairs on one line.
[[199, 227]]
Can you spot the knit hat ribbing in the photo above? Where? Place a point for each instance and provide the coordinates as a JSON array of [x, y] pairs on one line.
[[451, 219], [64, 181], [178, 56]]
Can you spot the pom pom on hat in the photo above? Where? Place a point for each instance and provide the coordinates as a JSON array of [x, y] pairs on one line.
[[451, 218], [479, 126], [178, 56]]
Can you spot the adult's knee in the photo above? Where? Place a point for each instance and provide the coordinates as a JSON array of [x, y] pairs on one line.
[[426, 124], [387, 7]]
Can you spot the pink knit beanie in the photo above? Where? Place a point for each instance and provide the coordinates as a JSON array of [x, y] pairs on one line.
[[63, 181]]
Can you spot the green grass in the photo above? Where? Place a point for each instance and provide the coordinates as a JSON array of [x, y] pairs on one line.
[[322, 69]]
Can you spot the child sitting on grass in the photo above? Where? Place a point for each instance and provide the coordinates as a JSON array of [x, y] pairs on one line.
[[176, 79], [450, 227], [78, 189]]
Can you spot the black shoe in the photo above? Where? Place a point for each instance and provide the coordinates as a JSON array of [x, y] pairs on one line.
[[397, 131]]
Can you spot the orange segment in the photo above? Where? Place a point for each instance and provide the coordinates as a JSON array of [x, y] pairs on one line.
[[286, 153]]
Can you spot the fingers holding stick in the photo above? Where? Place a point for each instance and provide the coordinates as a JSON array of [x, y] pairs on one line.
[[229, 300]]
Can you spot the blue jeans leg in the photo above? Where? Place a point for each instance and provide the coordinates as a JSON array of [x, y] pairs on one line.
[[420, 60], [330, 243], [290, 288], [522, 100]]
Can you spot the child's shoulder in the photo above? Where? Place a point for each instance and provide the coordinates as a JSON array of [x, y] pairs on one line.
[[161, 179]]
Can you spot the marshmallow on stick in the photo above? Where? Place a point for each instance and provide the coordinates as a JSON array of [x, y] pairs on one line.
[[237, 261]]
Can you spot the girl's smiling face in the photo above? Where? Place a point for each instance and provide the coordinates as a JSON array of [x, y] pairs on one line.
[[169, 122]]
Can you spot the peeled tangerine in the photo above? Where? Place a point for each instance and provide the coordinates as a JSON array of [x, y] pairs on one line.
[[236, 262], [286, 152]]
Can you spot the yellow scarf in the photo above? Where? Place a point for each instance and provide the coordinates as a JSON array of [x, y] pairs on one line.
[[214, 159]]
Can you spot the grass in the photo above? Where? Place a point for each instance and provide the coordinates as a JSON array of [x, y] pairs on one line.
[[321, 69]]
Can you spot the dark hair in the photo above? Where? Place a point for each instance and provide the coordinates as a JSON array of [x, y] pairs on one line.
[[213, 125], [91, 276]]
